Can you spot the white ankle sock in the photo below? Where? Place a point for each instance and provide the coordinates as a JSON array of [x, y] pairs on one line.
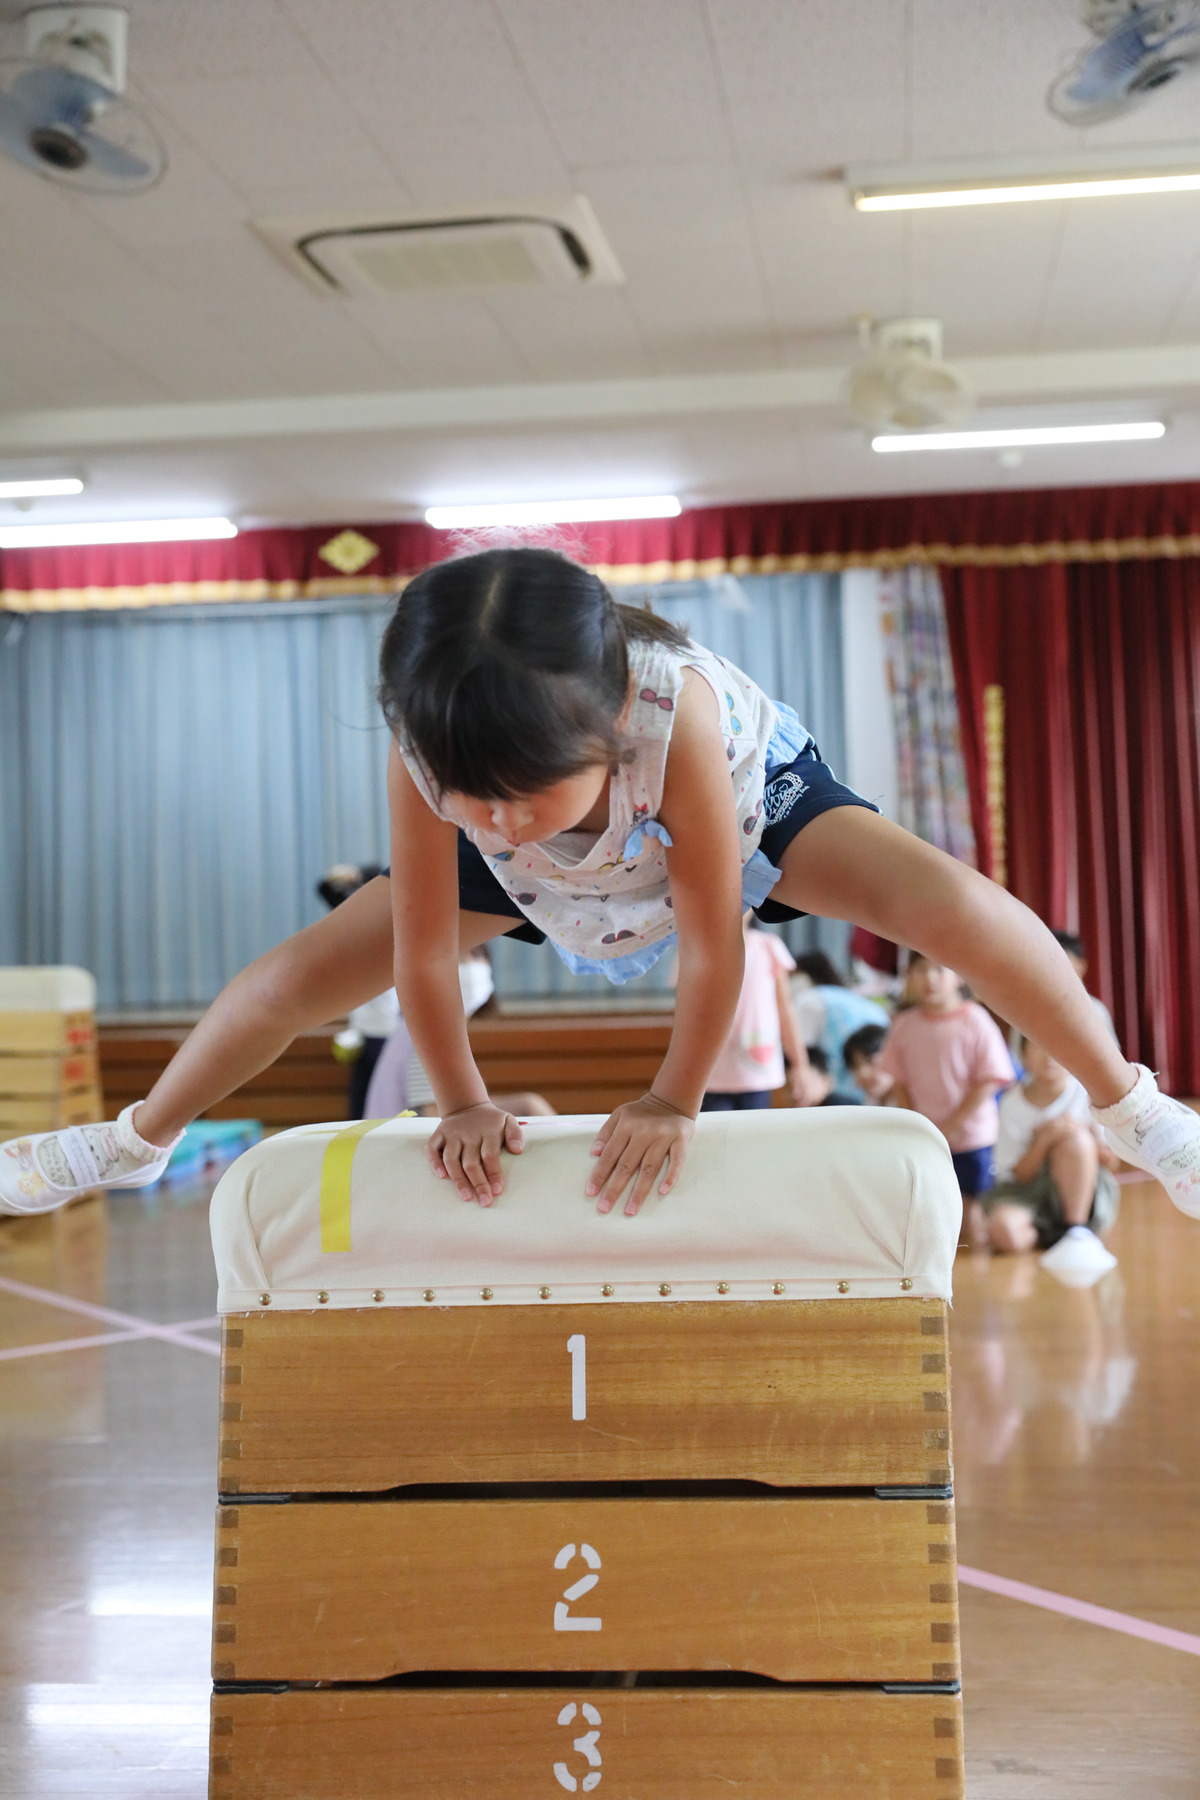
[[1159, 1135]]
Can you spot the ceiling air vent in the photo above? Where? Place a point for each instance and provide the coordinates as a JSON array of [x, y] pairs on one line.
[[526, 246]]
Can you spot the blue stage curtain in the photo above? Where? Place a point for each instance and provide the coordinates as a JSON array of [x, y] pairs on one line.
[[173, 783]]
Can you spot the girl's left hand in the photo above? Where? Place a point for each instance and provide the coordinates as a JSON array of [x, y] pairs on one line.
[[632, 1145]]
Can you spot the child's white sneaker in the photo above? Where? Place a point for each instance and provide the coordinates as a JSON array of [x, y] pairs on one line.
[[47, 1169], [1078, 1258], [1159, 1135]]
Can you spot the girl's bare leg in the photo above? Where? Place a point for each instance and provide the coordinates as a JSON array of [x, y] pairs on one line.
[[853, 864], [340, 962]]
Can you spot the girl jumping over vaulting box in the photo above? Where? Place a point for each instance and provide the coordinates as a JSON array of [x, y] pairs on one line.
[[564, 767]]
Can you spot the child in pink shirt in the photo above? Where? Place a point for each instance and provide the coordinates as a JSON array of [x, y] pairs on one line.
[[948, 1059], [750, 1066]]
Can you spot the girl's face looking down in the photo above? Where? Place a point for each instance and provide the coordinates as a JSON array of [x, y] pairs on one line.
[[580, 802]]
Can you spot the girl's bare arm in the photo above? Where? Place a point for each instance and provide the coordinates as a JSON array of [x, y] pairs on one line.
[[705, 867], [466, 1146], [706, 892]]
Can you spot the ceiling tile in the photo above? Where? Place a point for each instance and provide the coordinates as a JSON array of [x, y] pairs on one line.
[[171, 342], [180, 40], [682, 235], [442, 340], [441, 92], [274, 131], [812, 83], [984, 271], [59, 363], [624, 82], [1121, 269], [980, 75], [823, 262], [708, 134], [584, 333]]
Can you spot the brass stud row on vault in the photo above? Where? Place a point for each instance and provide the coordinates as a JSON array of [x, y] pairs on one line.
[[777, 1287]]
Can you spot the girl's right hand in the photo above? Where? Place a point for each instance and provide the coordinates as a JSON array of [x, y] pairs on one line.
[[466, 1146]]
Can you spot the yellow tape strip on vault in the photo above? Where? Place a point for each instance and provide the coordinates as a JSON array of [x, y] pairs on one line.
[[336, 1166]]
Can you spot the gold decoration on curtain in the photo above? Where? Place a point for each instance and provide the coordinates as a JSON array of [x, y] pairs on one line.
[[348, 552], [996, 796]]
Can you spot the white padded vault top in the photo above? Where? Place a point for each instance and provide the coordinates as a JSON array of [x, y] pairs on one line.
[[50, 989], [822, 1202]]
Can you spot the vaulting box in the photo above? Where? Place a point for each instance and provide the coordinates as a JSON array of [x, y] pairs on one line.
[[473, 1458], [48, 1067]]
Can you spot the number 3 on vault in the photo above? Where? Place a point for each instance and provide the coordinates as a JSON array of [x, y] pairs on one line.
[[585, 1745]]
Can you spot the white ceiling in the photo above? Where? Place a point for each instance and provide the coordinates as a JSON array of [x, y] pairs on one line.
[[707, 135]]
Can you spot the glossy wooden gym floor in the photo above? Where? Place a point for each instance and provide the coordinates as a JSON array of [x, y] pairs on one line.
[[1077, 1438]]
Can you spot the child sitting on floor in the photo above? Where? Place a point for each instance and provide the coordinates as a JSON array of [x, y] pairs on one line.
[[821, 1090], [862, 1051], [1054, 1181], [948, 1058]]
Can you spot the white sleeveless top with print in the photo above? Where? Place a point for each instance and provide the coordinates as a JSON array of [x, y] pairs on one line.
[[604, 900]]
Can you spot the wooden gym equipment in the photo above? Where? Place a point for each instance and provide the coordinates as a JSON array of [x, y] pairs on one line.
[[48, 1069], [525, 1500]]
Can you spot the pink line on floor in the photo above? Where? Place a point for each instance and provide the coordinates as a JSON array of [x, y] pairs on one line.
[[1081, 1609], [84, 1343], [105, 1314]]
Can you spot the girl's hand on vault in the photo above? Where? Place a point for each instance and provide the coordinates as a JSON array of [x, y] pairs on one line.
[[632, 1145], [466, 1146]]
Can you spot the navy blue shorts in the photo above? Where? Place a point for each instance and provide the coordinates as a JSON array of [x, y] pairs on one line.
[[480, 892], [796, 794], [975, 1169]]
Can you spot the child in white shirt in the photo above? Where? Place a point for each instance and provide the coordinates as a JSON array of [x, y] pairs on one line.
[[1053, 1174]]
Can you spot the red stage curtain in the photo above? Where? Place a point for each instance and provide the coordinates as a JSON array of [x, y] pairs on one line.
[[1100, 667], [1042, 526]]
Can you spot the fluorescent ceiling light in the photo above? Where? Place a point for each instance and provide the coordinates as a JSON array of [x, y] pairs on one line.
[[124, 531], [553, 512], [1028, 436], [40, 490], [1001, 192]]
